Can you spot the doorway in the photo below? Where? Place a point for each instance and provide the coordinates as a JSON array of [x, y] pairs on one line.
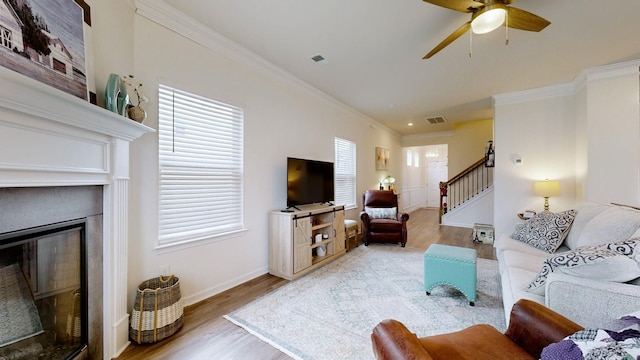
[[436, 171], [425, 167]]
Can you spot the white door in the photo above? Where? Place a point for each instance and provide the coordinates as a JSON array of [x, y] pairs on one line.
[[437, 171]]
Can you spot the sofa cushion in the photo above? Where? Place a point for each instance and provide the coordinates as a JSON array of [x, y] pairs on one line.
[[517, 259], [382, 213], [616, 223], [545, 230], [598, 263], [385, 226], [585, 212], [514, 281]]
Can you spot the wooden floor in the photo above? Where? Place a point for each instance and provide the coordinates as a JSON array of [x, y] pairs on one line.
[[206, 335]]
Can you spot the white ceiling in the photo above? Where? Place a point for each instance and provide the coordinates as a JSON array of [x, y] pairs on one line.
[[375, 49]]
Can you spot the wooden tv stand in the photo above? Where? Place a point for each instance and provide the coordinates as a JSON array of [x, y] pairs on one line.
[[293, 250]]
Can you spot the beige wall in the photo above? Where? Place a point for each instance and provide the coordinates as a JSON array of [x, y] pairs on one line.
[[467, 143]]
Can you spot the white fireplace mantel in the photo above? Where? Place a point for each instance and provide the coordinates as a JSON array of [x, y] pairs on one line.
[[51, 138]]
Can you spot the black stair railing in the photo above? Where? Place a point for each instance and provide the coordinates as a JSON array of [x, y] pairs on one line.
[[465, 186]]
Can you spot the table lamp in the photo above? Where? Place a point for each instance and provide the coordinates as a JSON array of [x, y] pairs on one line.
[[389, 181], [546, 189]]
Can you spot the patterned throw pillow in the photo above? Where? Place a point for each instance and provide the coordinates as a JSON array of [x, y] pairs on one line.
[[545, 230], [382, 213], [598, 263], [626, 247]]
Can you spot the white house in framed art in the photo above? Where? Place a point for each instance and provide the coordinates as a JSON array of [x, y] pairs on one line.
[[60, 59], [10, 28]]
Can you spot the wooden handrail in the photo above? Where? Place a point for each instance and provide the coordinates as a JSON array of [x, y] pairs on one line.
[[466, 171], [478, 178]]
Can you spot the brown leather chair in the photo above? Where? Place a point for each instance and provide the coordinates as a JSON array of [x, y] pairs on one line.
[[531, 328], [386, 230]]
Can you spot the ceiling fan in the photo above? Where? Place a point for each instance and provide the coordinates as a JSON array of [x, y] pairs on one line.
[[486, 16]]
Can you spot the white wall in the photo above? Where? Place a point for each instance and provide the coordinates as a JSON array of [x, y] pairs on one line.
[[539, 127], [283, 117], [586, 134], [478, 209], [613, 131]]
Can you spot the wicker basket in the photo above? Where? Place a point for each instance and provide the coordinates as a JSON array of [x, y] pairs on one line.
[[158, 311]]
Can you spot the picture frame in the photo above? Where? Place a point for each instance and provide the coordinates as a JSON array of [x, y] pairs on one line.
[[54, 53], [382, 158]]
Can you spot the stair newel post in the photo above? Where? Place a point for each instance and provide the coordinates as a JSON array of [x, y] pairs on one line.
[[443, 200]]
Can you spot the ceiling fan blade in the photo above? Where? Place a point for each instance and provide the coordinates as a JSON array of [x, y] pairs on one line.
[[524, 20], [457, 5], [451, 38]]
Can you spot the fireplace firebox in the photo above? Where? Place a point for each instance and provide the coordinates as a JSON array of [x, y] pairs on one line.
[[51, 275], [43, 292]]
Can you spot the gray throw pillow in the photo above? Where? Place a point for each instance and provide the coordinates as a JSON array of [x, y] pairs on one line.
[[545, 230]]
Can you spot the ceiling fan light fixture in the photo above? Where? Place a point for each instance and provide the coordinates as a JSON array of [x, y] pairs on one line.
[[488, 19]]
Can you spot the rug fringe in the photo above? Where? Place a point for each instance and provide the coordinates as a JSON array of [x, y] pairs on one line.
[[259, 336]]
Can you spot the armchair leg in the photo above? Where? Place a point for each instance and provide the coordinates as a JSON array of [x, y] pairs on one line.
[[403, 244]]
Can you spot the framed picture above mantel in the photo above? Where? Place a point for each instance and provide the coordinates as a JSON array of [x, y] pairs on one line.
[[45, 40]]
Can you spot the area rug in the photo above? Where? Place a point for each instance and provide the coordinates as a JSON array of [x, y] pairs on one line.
[[20, 319], [330, 313]]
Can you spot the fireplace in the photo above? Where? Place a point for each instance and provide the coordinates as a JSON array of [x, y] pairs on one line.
[[50, 272], [71, 159]]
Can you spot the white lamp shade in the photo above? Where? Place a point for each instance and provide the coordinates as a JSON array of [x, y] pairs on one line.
[[488, 19], [546, 188], [389, 180]]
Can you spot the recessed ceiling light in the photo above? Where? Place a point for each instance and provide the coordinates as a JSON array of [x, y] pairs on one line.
[[410, 124]]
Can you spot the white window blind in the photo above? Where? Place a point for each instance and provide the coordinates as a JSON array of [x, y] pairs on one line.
[[201, 167], [345, 172]]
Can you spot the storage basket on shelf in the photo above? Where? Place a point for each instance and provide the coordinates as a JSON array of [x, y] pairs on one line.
[[158, 311]]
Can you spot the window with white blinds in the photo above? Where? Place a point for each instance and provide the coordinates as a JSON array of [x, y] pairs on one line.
[[345, 173], [201, 167]]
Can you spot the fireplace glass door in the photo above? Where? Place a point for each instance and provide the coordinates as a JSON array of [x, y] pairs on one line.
[[43, 295]]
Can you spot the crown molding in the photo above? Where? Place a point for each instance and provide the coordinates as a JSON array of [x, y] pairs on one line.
[[626, 68], [566, 89], [171, 18], [610, 71]]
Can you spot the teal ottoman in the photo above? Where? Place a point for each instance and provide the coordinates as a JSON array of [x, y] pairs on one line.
[[451, 265]]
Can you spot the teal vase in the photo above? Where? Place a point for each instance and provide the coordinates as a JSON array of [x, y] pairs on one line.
[[115, 97]]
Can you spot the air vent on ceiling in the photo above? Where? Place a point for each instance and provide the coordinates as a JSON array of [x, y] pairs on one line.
[[436, 120], [319, 59]]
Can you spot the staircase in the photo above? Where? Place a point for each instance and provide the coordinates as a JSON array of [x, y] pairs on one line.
[[464, 187]]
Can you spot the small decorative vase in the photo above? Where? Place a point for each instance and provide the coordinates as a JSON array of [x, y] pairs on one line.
[[136, 113]]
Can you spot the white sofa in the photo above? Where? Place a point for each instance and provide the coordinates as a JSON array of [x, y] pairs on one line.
[[591, 303]]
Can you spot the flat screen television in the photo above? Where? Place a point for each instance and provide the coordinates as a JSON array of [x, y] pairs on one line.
[[309, 182]]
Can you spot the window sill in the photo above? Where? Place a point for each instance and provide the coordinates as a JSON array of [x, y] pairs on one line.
[[186, 244]]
